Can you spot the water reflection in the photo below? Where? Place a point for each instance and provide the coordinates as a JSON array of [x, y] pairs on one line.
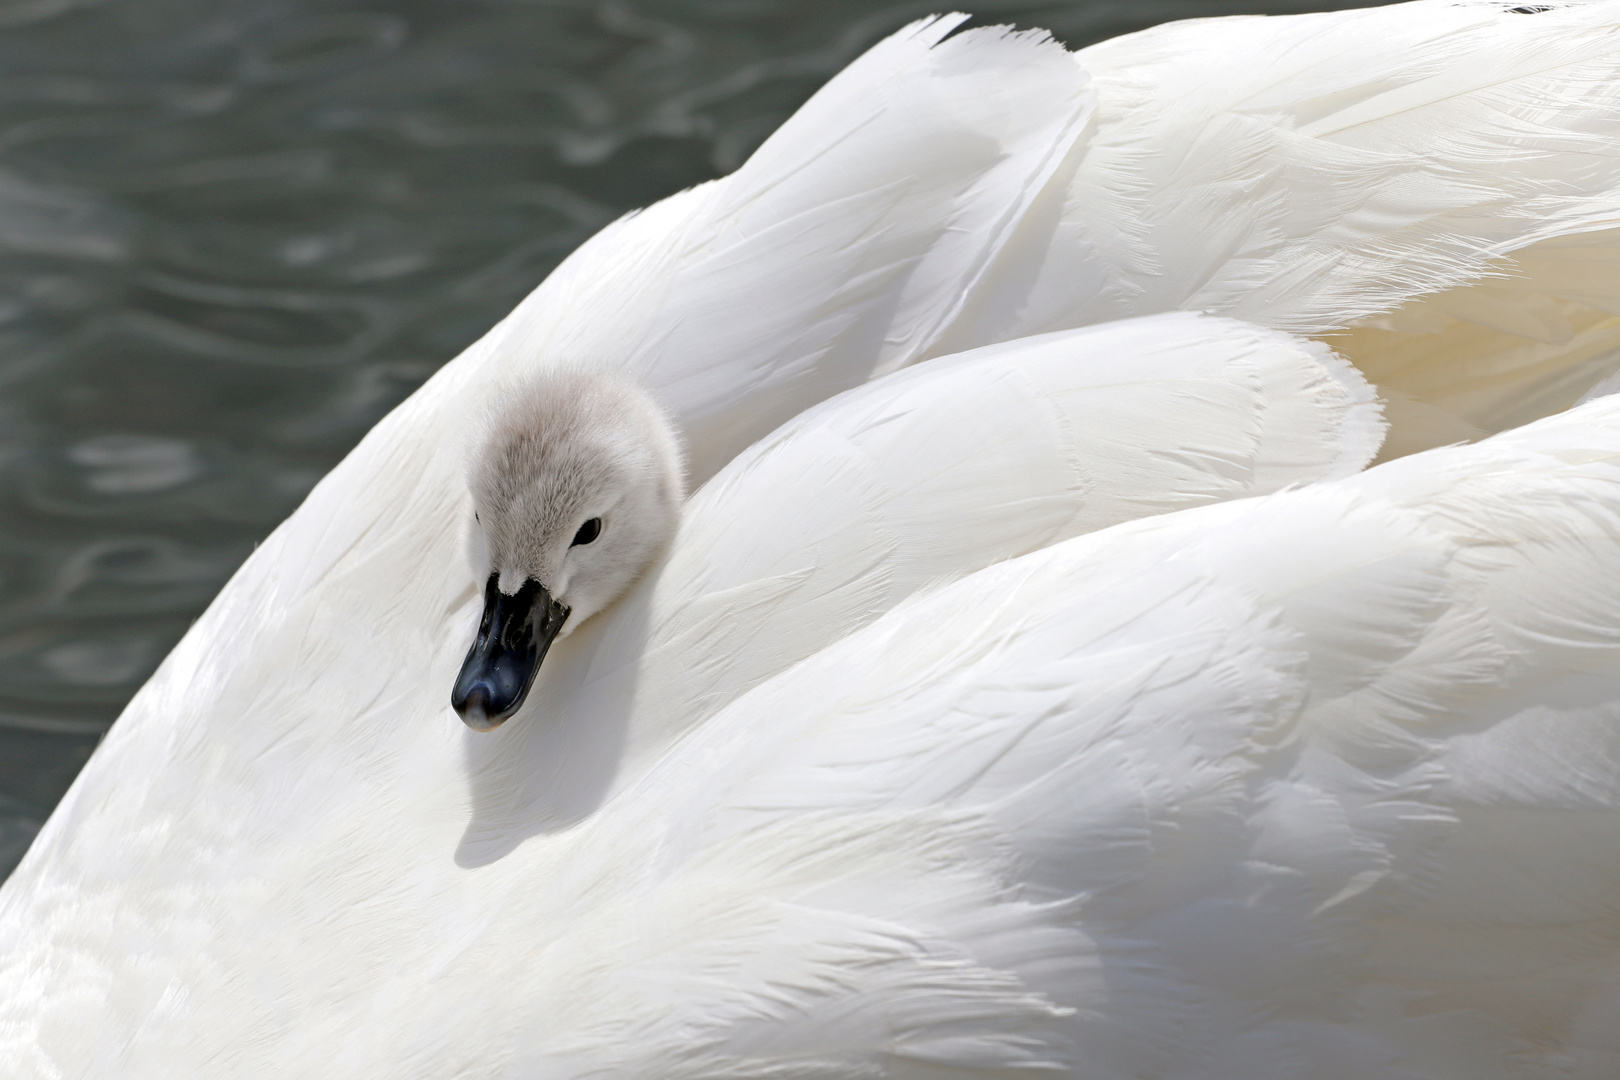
[[234, 234]]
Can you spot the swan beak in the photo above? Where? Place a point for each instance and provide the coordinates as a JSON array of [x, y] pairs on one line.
[[500, 667]]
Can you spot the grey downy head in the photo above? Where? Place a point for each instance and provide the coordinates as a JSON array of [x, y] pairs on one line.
[[576, 486]]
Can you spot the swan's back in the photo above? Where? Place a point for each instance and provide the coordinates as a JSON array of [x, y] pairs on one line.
[[1320, 784]]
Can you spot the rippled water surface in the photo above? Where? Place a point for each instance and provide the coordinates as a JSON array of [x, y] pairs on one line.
[[233, 235]]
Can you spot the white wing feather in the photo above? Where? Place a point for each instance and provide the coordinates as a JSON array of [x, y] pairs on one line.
[[840, 249], [1437, 178]]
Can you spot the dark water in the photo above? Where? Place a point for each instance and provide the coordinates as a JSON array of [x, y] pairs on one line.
[[233, 235]]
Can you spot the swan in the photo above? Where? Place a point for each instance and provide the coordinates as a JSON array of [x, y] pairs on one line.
[[577, 486], [289, 856]]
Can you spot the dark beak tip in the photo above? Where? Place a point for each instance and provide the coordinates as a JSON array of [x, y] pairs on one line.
[[480, 722], [474, 706]]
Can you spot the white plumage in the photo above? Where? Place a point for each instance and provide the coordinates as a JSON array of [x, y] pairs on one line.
[[1324, 783]]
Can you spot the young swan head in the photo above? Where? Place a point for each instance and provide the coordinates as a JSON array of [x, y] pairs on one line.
[[576, 488]]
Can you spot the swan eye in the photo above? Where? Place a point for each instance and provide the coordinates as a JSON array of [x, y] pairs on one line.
[[588, 531]]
